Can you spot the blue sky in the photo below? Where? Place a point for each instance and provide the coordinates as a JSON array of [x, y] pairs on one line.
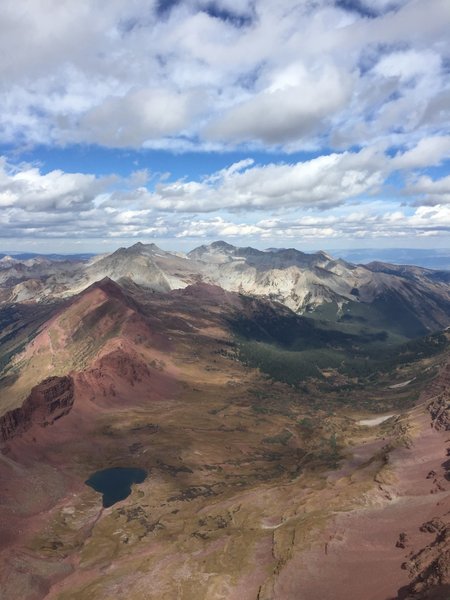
[[313, 124]]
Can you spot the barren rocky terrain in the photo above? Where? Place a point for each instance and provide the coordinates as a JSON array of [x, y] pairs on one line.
[[332, 486]]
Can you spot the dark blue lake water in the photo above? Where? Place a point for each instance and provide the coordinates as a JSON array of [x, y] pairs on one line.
[[115, 483]]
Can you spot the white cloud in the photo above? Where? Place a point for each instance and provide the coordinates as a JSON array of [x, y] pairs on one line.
[[367, 223], [431, 221], [275, 73], [363, 84], [140, 115], [408, 64], [293, 106], [322, 182], [430, 151], [331, 196], [431, 191], [33, 191]]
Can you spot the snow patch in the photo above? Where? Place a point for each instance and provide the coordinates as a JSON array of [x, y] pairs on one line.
[[375, 421], [400, 385]]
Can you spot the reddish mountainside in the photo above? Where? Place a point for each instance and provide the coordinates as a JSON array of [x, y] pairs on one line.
[[81, 333]]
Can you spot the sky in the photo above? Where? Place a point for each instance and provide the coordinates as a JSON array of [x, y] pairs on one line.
[[308, 123]]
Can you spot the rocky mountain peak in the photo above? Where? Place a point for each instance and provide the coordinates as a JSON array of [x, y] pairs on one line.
[[221, 245], [137, 249]]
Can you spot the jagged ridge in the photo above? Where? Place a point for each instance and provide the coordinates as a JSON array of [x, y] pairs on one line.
[[48, 401]]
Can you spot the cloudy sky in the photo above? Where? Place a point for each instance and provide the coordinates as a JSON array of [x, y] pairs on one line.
[[305, 123]]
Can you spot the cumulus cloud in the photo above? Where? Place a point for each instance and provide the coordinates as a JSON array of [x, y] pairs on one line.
[[322, 182], [430, 151], [331, 196], [140, 115], [27, 188], [361, 85], [185, 74], [430, 191], [367, 223], [293, 106]]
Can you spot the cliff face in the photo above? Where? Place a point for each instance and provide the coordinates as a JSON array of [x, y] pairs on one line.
[[48, 401]]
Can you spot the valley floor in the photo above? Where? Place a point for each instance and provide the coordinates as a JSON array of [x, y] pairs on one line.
[[233, 524]]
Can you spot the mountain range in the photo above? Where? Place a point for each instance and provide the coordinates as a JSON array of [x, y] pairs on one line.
[[416, 299], [290, 411]]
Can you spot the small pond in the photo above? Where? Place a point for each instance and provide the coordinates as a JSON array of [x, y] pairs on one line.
[[115, 483]]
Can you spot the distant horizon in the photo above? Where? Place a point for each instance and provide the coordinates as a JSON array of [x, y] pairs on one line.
[[92, 246], [257, 246]]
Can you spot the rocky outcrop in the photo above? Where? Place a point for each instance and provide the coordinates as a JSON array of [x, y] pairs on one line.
[[48, 401], [127, 366], [440, 412], [430, 567], [438, 395], [439, 409]]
